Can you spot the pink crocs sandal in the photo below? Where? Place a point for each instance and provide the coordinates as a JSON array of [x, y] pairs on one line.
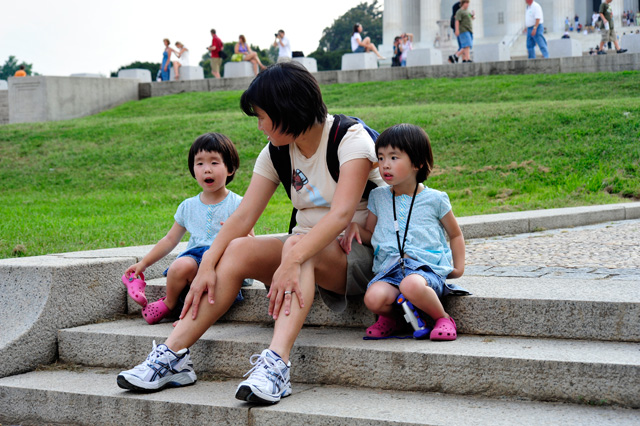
[[155, 311], [384, 327], [135, 288], [445, 329]]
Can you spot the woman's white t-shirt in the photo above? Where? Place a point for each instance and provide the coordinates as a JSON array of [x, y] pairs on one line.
[[312, 187], [354, 41]]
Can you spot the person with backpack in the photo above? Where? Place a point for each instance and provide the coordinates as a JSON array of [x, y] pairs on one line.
[[327, 163]]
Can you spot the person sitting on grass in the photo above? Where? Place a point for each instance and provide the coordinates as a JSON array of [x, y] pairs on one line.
[[213, 162], [464, 32], [406, 227]]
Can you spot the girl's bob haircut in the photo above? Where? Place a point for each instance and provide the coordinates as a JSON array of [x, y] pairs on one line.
[[412, 140], [216, 142]]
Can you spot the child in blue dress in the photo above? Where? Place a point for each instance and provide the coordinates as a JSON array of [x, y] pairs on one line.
[[406, 227], [213, 161]]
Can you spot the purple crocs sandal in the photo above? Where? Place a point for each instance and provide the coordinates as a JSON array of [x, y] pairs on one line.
[[154, 312], [135, 288]]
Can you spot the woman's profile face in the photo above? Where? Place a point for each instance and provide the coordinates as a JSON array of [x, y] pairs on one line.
[[265, 125]]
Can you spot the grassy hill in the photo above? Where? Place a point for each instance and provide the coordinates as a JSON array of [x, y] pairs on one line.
[[501, 143]]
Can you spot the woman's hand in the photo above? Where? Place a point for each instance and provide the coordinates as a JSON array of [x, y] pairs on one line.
[[285, 282], [352, 231], [204, 282]]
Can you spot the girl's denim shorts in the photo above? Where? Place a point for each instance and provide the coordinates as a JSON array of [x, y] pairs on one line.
[[393, 275]]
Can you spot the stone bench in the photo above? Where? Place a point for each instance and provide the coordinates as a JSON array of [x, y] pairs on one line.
[[142, 75], [309, 63], [359, 61], [631, 42], [422, 57], [188, 72], [564, 48], [491, 52], [238, 69]]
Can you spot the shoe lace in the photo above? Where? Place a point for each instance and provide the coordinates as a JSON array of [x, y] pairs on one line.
[[157, 356], [265, 366]]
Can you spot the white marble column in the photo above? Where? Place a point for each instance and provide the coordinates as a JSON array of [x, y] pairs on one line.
[[478, 24], [618, 8], [391, 21], [429, 15]]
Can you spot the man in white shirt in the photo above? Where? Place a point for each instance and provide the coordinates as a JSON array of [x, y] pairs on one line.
[[284, 47], [533, 20]]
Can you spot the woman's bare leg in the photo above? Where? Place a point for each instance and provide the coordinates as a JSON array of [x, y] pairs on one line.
[[329, 269], [248, 257]]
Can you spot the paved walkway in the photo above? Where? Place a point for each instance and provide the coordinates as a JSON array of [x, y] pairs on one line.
[[606, 251]]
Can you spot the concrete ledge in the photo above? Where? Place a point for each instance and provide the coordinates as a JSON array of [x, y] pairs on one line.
[[423, 57], [309, 63], [90, 396], [46, 293], [564, 48], [142, 75], [496, 366], [4, 106], [238, 69], [359, 61], [631, 42], [4, 85], [188, 72], [535, 220], [491, 52], [40, 98]]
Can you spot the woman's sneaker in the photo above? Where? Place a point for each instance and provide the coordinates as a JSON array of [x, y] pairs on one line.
[[268, 380], [163, 368]]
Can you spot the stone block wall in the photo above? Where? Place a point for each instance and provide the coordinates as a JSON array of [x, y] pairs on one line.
[[4, 106]]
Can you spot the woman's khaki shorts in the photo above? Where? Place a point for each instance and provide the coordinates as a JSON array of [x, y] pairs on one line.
[[359, 273]]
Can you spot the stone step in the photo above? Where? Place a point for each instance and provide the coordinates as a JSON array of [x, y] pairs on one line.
[[504, 306], [489, 366], [89, 396]]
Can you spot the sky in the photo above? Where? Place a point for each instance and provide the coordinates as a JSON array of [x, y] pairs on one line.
[[64, 37]]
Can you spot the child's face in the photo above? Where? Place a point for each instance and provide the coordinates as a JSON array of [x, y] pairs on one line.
[[210, 170], [395, 166]]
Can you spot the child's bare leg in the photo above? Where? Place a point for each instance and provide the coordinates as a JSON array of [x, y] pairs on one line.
[[182, 271], [380, 297], [416, 289]]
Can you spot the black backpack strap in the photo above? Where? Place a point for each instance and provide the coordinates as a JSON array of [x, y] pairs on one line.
[[341, 124], [282, 163]]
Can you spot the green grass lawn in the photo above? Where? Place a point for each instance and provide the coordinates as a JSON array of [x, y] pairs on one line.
[[501, 143]]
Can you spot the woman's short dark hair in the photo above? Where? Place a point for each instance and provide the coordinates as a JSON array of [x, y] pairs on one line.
[[289, 95], [216, 142], [412, 140], [355, 28]]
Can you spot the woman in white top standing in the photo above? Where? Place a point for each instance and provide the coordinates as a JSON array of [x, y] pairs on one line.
[[183, 58], [358, 45]]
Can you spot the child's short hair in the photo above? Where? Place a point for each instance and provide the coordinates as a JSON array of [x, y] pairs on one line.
[[216, 142], [414, 142], [289, 95], [463, 2]]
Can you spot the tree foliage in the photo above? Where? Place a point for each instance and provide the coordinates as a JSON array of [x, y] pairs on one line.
[[10, 67], [336, 39], [338, 36]]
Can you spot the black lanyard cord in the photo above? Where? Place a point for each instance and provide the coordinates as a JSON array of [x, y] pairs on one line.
[[397, 225]]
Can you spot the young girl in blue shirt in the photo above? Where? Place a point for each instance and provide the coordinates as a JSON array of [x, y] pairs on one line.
[[406, 227]]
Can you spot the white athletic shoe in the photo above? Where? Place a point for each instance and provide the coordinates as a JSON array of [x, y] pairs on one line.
[[163, 368], [268, 380]]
